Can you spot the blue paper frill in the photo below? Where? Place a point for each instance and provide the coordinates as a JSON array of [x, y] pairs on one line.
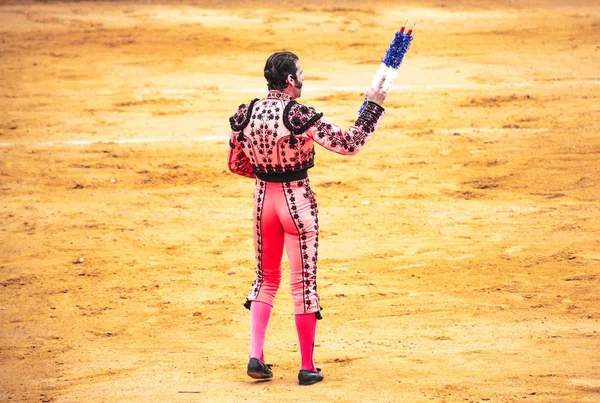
[[393, 56], [404, 48]]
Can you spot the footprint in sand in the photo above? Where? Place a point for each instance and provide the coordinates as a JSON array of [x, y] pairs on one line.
[[591, 385], [513, 249]]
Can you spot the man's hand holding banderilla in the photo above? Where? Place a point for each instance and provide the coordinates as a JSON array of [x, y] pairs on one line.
[[377, 94]]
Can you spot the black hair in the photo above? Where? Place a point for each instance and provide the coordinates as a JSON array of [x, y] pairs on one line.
[[279, 65]]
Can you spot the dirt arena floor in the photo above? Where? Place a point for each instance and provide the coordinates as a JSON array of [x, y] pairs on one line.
[[460, 251]]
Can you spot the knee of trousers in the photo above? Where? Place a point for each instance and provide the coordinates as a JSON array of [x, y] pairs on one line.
[[272, 282], [266, 290], [306, 298]]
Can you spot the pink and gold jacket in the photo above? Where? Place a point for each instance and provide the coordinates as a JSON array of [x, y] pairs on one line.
[[274, 137]]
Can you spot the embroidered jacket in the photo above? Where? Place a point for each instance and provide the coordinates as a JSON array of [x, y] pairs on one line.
[[277, 134]]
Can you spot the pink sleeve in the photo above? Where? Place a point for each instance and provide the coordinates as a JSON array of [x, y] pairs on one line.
[[238, 161], [349, 142]]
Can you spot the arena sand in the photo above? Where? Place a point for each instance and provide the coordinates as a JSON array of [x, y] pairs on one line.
[[460, 251]]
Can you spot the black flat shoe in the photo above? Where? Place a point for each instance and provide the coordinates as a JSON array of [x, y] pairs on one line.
[[258, 370], [306, 377]]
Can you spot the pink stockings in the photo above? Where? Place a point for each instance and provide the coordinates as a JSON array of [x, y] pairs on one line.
[[306, 326], [260, 313], [285, 214]]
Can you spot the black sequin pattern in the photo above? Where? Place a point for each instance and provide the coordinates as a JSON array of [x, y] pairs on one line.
[[259, 199], [297, 117], [241, 118], [277, 134], [308, 238], [268, 151], [368, 117], [359, 134]]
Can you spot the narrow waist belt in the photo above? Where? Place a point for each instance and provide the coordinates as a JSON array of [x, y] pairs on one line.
[[283, 176]]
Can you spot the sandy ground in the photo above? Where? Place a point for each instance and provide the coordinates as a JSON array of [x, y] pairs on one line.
[[460, 251]]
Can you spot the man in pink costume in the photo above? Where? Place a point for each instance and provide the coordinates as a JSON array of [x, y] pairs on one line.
[[272, 140]]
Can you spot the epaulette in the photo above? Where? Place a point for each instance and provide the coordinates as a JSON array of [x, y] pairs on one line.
[[297, 117], [242, 117]]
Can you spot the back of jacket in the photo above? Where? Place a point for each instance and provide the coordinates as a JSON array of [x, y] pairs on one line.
[[277, 135]]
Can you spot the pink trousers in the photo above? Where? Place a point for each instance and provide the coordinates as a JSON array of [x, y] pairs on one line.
[[286, 214]]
